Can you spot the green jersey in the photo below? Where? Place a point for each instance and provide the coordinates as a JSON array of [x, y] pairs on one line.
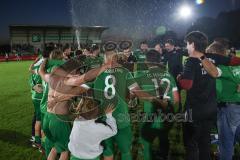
[[227, 84], [140, 56], [111, 87], [93, 62], [54, 63], [34, 80], [157, 82], [50, 65]]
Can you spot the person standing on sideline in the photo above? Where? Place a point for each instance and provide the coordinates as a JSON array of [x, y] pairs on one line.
[[6, 57]]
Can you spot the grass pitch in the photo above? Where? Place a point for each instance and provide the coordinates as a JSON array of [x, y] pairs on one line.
[[16, 111]]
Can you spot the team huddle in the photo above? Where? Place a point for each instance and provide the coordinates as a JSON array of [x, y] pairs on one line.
[[85, 104]]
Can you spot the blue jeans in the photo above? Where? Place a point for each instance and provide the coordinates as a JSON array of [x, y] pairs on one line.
[[228, 122]]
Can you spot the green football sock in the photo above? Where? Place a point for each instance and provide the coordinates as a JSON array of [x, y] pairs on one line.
[[38, 139]]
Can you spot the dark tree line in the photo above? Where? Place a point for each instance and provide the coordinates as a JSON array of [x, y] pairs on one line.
[[227, 24], [5, 48]]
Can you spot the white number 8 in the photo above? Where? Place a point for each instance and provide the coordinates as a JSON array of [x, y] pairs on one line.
[[110, 86]]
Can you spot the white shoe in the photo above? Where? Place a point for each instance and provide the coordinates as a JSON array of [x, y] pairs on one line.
[[32, 139], [36, 145]]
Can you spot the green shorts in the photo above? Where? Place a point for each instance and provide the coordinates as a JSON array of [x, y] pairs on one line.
[[75, 158], [57, 129], [48, 146], [37, 111], [123, 139]]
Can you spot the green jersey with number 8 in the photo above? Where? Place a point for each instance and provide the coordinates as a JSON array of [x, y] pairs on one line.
[[112, 86]]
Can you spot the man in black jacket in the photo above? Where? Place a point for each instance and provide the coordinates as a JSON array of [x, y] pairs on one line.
[[173, 58]]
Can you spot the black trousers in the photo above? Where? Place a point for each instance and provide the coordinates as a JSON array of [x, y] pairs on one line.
[[197, 139], [149, 134]]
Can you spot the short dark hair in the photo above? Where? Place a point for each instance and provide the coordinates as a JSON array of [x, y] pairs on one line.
[[199, 39], [125, 45], [152, 56], [160, 44], [88, 48], [95, 47], [48, 48], [170, 41], [66, 46], [110, 46], [78, 52], [143, 42]]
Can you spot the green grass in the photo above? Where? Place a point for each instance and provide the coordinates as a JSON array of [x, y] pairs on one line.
[[16, 112]]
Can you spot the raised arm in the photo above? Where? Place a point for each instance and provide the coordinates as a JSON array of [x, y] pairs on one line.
[[111, 128], [210, 67], [77, 80], [42, 71], [32, 64]]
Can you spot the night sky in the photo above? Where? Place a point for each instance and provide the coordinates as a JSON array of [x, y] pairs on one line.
[[134, 18]]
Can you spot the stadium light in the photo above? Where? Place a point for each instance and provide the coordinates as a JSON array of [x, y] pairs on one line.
[[200, 2], [185, 11]]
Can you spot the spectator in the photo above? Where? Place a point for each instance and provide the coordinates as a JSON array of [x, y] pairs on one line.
[[126, 46], [159, 49], [173, 58], [6, 57], [18, 56], [140, 54]]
